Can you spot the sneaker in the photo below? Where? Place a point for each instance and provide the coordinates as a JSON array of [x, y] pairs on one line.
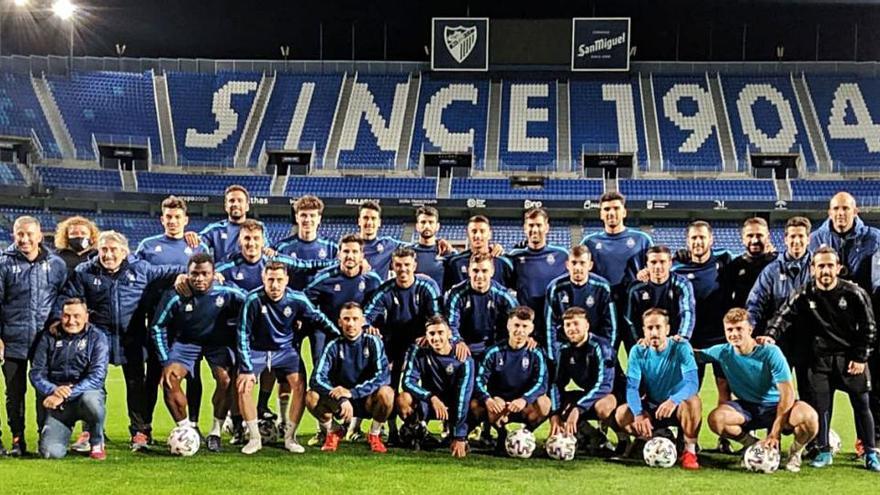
[[793, 465], [376, 444], [872, 461], [822, 459], [252, 447], [354, 436], [689, 461], [213, 443], [237, 436], [475, 434], [139, 442], [19, 447], [318, 439], [267, 414], [293, 446], [331, 441], [98, 453], [82, 443]]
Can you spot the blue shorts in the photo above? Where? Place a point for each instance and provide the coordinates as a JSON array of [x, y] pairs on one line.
[[188, 355], [758, 416], [282, 362]]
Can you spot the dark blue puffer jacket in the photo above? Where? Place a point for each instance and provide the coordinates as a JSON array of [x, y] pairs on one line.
[[856, 248], [64, 359], [28, 291]]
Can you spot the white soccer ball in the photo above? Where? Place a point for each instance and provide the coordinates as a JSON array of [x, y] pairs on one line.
[[561, 447], [184, 441], [660, 452], [760, 459], [834, 442], [269, 431], [520, 444]]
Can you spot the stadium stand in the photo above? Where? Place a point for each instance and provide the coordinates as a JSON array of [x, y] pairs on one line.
[[866, 192], [118, 104], [10, 175], [699, 190], [687, 123], [161, 183], [528, 125], [286, 126], [20, 112], [209, 113], [451, 117], [78, 178], [362, 187]]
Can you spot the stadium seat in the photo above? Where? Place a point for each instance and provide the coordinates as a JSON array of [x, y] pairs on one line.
[[257, 185], [848, 108], [699, 190], [362, 187], [21, 112], [687, 123], [866, 192], [78, 178], [528, 125]]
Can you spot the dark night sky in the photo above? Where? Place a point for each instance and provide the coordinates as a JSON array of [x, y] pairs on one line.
[[701, 30]]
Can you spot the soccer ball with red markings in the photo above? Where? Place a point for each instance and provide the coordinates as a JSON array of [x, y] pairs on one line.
[[520, 444]]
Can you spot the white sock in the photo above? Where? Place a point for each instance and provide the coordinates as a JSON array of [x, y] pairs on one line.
[[283, 405], [690, 445], [376, 427], [183, 423], [290, 431], [253, 428], [217, 427]]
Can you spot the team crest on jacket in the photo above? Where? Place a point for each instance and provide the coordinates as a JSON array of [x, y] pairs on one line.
[[590, 301], [219, 301], [322, 253], [16, 269], [97, 281], [598, 245], [238, 276], [188, 308], [362, 286], [463, 268], [158, 249], [131, 276], [525, 362], [564, 299], [287, 311], [337, 288], [842, 304], [571, 360], [366, 352], [380, 248], [187, 251], [81, 345], [646, 296], [450, 369], [551, 259], [630, 242], [223, 235], [264, 310], [691, 276]]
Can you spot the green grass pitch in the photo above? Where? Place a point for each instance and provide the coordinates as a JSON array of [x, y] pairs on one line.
[[353, 469]]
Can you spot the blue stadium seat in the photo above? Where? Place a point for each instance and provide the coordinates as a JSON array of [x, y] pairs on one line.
[[115, 103], [774, 121], [78, 178], [257, 185], [866, 192], [687, 100], [209, 113], [314, 125], [852, 147], [383, 101], [699, 190], [595, 128], [528, 125], [20, 111], [362, 187], [456, 121], [10, 175]]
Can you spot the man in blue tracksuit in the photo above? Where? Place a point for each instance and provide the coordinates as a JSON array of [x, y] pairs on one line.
[[580, 288], [30, 279], [167, 248], [113, 284], [535, 266], [204, 323], [306, 244], [776, 283], [478, 309], [351, 380], [665, 370], [479, 235], [377, 250], [222, 237], [664, 290], [511, 384], [438, 385], [431, 253], [68, 371], [858, 246], [703, 267], [267, 339], [618, 253], [586, 360]]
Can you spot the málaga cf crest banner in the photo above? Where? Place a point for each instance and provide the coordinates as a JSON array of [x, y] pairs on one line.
[[460, 43]]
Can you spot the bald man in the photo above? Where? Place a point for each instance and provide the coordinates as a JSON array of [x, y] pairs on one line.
[[858, 247]]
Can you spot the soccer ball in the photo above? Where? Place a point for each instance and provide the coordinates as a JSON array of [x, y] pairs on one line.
[[184, 441], [520, 444], [561, 447], [760, 459], [269, 431], [660, 452], [834, 442]]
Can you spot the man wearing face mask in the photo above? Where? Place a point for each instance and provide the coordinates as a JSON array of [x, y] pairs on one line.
[[859, 248], [113, 284], [31, 278], [75, 241], [739, 276], [777, 282]]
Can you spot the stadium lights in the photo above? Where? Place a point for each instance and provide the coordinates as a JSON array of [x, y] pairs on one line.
[[64, 9], [20, 3]]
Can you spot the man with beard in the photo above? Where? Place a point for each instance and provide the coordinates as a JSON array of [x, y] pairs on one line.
[[428, 258], [739, 276], [665, 290], [479, 235], [858, 246], [377, 250], [222, 237]]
